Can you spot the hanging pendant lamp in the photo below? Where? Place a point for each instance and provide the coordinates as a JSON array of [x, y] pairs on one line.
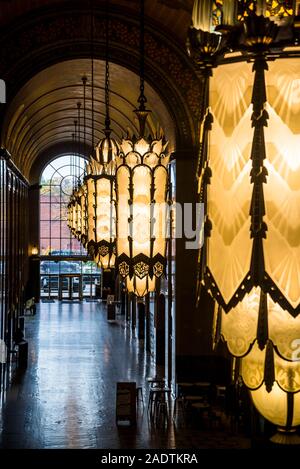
[[83, 188], [142, 188], [73, 204], [248, 181], [100, 180], [79, 190]]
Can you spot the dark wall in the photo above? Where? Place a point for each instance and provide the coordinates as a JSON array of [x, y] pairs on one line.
[[13, 246], [108, 282], [187, 318], [33, 284], [204, 368]]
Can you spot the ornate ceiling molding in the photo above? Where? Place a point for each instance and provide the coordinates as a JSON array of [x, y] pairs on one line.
[[51, 35]]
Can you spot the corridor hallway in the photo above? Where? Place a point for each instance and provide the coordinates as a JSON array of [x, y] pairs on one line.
[[66, 397]]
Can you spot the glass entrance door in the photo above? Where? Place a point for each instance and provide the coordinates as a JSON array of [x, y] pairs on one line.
[[70, 287], [64, 287], [76, 287], [49, 286], [67, 279]]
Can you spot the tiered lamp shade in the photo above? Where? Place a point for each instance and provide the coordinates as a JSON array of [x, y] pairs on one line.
[[75, 212], [101, 211], [83, 212], [142, 187], [78, 214], [252, 253], [72, 216], [202, 15], [69, 215]]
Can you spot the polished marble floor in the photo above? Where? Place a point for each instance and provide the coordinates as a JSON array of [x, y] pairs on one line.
[[66, 396]]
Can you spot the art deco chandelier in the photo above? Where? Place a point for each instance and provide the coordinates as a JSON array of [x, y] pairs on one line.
[[249, 173], [126, 198]]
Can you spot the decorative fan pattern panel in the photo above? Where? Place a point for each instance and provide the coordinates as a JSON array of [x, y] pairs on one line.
[[231, 188], [230, 191]]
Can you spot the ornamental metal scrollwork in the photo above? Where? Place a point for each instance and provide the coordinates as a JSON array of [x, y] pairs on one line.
[[123, 269], [141, 269]]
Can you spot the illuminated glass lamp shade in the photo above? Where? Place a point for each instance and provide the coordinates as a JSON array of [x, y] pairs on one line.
[[83, 214], [252, 253], [76, 209], [72, 213], [76, 212], [78, 224], [101, 211], [209, 14], [268, 353], [142, 187], [204, 39]]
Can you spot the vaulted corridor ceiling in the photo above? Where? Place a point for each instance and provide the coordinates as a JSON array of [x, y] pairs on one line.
[[42, 114]]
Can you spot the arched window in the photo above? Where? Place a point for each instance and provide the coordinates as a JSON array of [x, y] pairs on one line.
[[66, 270], [57, 182]]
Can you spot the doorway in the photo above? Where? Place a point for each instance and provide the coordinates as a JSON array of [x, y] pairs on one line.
[[70, 287]]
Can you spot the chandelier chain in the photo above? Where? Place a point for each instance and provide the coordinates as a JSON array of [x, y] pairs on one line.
[[142, 98], [84, 80], [107, 117], [92, 70], [79, 141]]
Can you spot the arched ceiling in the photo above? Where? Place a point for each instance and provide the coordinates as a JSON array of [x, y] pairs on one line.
[[42, 114]]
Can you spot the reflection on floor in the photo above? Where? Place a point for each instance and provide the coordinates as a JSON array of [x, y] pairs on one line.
[[66, 397]]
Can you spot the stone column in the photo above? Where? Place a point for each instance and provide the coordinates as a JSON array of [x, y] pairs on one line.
[[193, 326], [161, 331], [133, 312], [148, 332], [127, 306], [141, 320]]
